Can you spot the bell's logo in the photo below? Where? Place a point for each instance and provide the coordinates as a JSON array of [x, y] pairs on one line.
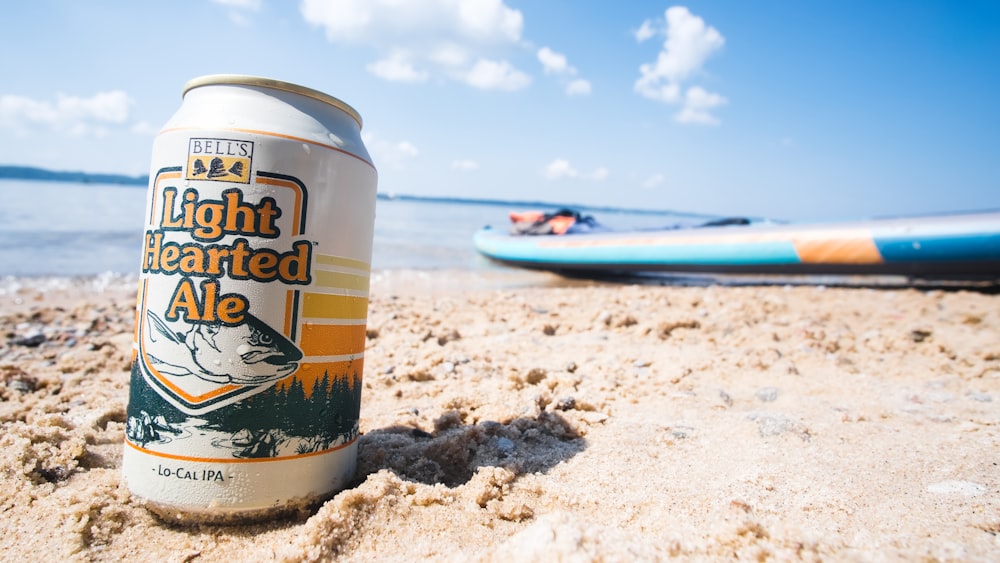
[[224, 160]]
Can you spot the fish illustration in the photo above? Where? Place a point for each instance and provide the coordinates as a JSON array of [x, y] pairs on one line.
[[250, 353]]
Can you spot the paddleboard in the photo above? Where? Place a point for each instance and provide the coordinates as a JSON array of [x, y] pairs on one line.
[[952, 246]]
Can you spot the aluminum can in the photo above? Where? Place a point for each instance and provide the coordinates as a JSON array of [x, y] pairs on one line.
[[252, 304]]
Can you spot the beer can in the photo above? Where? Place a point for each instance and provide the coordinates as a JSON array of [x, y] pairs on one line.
[[252, 303]]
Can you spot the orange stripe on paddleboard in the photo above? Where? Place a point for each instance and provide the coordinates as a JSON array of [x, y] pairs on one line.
[[837, 247]]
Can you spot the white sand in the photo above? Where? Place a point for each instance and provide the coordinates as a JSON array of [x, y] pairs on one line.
[[587, 423]]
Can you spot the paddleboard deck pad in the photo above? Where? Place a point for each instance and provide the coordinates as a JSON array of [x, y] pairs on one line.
[[963, 246]]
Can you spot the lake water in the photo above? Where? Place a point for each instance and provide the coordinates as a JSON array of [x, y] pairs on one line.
[[67, 229]]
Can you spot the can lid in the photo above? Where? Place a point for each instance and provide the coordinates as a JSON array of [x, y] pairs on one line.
[[246, 80]]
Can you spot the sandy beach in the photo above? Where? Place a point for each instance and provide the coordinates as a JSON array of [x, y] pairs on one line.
[[539, 420]]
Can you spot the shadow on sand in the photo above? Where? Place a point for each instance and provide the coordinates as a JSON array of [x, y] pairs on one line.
[[450, 455], [454, 451]]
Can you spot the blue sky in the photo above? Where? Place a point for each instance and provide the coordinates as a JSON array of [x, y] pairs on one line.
[[801, 110]]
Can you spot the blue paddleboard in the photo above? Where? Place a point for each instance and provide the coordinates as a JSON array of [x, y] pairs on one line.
[[957, 245]]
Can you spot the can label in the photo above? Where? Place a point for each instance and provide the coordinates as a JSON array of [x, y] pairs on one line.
[[227, 160], [250, 327]]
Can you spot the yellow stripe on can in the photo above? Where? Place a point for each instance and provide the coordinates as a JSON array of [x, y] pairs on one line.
[[325, 306], [341, 280], [329, 260]]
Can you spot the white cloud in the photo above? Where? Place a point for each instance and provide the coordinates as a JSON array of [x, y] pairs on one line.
[[561, 168], [394, 154], [554, 63], [465, 164], [599, 174], [688, 45], [668, 93], [397, 68], [578, 87], [450, 55], [496, 75], [105, 107], [406, 149], [645, 31], [69, 114], [557, 64], [483, 18], [239, 10], [653, 181], [444, 36], [343, 22], [697, 103]]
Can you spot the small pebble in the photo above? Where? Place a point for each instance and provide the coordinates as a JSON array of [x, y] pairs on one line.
[[767, 394], [505, 445], [30, 340], [772, 424], [728, 400], [565, 404], [981, 397], [681, 432], [23, 385], [490, 426], [965, 488]]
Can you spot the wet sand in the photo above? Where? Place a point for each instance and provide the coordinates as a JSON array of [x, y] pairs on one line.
[[524, 417]]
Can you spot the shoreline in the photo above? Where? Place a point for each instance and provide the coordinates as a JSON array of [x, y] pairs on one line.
[[496, 276], [533, 422]]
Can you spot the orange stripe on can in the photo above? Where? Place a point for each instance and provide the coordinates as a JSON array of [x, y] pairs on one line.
[[332, 340], [156, 186], [312, 373]]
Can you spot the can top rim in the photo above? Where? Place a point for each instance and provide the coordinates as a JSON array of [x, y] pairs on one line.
[[247, 80]]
